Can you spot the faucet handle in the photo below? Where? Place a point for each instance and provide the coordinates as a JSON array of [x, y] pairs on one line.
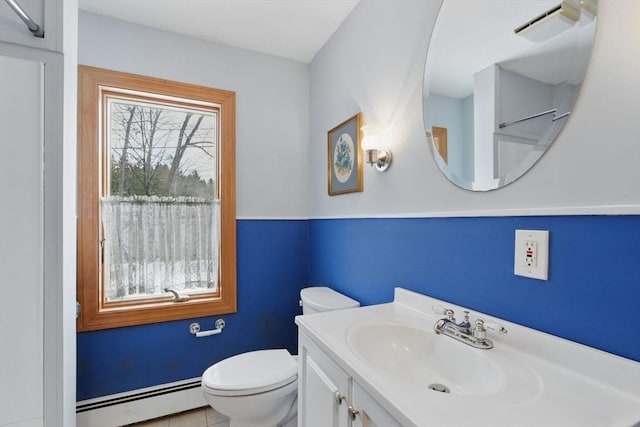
[[438, 309], [465, 323], [495, 327], [479, 330]]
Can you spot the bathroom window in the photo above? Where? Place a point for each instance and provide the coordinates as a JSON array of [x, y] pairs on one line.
[[156, 208]]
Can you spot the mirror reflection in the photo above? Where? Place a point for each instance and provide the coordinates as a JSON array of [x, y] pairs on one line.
[[501, 79]]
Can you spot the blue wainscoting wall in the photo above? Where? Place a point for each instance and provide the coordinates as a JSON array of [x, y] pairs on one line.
[[272, 268], [592, 295]]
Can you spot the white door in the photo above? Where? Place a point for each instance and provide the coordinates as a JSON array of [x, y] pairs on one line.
[[21, 242]]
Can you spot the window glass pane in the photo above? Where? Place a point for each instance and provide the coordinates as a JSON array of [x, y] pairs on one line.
[[160, 212]]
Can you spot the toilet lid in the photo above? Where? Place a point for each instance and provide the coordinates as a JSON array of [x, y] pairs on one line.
[[251, 373], [322, 298]]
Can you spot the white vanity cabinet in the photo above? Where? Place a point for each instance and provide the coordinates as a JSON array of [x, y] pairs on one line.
[[329, 397], [323, 388], [370, 413], [384, 358]]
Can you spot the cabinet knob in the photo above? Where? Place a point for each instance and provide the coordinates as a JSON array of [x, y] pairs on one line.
[[352, 413], [339, 398]]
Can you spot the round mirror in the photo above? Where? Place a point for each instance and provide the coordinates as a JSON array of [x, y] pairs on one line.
[[501, 79]]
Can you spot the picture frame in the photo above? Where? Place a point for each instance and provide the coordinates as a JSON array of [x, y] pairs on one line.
[[344, 154]]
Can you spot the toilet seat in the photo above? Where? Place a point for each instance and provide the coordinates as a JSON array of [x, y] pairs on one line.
[[250, 373]]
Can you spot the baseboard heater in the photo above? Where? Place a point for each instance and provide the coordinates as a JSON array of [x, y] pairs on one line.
[[140, 405]]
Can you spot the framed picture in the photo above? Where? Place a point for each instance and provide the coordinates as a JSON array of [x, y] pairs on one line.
[[345, 156]]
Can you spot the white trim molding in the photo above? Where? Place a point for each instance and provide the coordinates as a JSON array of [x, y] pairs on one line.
[[602, 210], [520, 212]]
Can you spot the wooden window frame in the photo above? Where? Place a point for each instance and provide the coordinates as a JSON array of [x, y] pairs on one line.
[[95, 313]]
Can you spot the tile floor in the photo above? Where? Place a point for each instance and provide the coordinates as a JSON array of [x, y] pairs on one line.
[[202, 417]]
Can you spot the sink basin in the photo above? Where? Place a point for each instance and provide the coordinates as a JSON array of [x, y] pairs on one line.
[[421, 357]]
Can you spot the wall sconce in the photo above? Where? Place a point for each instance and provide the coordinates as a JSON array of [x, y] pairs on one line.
[[375, 153], [551, 23]]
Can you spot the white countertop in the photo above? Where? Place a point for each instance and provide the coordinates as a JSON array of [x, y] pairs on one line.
[[554, 382]]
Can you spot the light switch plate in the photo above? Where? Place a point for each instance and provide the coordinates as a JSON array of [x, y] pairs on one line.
[[532, 254]]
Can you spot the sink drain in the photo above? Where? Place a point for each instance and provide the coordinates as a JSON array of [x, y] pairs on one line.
[[439, 387]]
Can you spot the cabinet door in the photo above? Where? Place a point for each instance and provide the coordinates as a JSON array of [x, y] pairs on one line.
[[21, 242], [323, 390], [369, 412]]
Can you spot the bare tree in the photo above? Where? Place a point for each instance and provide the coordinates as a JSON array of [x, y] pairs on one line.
[[143, 145], [184, 141], [151, 148], [148, 144], [123, 157]]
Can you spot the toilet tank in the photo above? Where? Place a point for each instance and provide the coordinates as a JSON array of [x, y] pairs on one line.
[[318, 299]]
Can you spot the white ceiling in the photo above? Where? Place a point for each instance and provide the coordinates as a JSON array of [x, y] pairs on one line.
[[294, 29], [470, 36]]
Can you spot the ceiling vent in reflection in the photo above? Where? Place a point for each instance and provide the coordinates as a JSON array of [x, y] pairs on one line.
[[550, 23]]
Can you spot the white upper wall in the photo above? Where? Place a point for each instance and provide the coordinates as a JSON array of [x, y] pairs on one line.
[[374, 63], [272, 103]]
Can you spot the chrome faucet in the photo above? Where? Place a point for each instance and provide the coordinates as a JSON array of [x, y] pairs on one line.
[[475, 336]]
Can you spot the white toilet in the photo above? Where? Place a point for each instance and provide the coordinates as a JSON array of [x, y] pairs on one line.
[[259, 388]]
